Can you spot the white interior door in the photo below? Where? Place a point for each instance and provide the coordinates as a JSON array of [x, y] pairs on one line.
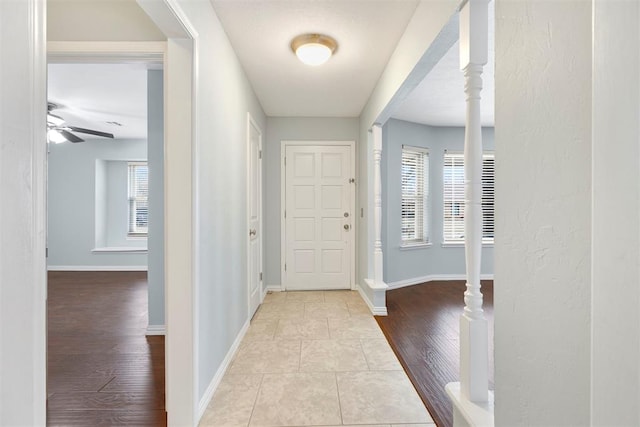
[[319, 235], [254, 207]]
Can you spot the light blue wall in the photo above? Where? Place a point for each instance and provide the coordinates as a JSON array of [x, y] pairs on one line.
[[293, 129], [72, 185], [404, 264], [155, 159], [224, 97]]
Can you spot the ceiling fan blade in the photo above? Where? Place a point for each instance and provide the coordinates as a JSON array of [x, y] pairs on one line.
[[70, 137], [91, 132]]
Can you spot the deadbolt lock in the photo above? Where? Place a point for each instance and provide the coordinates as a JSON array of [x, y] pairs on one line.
[[346, 227], [346, 214]]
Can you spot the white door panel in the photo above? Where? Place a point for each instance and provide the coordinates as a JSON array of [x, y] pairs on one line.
[[318, 224], [254, 207]]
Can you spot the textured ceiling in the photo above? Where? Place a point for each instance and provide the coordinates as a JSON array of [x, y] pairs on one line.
[[367, 32], [260, 32]]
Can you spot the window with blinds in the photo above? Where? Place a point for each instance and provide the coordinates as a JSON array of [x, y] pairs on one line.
[[138, 198], [415, 191], [453, 177]]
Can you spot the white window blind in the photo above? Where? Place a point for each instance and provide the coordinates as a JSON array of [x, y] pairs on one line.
[[138, 198], [415, 191], [453, 177]]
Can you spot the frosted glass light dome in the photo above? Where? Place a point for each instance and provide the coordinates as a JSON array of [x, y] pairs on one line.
[[313, 49]]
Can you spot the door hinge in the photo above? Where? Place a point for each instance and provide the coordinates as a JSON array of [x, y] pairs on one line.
[[46, 252], [261, 276], [285, 213], [285, 267], [260, 154], [285, 161]]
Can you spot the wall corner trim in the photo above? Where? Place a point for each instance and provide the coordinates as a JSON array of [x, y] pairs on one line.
[[215, 381]]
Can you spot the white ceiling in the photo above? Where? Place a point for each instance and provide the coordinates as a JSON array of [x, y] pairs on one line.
[[90, 95], [440, 100], [367, 32]]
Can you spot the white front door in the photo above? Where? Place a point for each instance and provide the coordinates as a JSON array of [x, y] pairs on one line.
[[254, 207], [319, 235]]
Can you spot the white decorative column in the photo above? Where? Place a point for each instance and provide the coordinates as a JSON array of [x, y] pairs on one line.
[[471, 398], [376, 288], [377, 194]]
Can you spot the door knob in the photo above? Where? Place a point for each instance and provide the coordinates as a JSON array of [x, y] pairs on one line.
[[252, 232], [346, 227]]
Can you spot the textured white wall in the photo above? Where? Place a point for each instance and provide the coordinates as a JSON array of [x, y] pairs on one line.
[[543, 212], [616, 214], [23, 283]]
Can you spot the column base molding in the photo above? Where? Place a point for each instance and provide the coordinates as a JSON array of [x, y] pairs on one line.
[[374, 294], [156, 330], [467, 413]]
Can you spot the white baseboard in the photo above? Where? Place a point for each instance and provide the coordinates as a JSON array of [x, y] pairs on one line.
[[467, 413], [215, 382], [378, 306], [432, 278], [156, 330], [97, 268], [273, 288]]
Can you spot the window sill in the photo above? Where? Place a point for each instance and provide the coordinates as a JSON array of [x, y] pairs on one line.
[[410, 247], [136, 237], [112, 249], [461, 245]]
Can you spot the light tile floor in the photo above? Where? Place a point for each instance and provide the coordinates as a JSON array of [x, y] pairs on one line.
[[315, 358]]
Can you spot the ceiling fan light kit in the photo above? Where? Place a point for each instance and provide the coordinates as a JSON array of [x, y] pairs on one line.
[[314, 49], [59, 132]]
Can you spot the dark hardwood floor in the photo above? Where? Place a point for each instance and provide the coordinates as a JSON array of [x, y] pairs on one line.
[[102, 369], [423, 327]]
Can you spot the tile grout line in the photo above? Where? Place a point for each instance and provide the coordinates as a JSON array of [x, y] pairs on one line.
[[335, 375], [364, 353], [255, 401]]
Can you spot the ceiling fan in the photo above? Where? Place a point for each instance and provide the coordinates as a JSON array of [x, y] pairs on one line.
[[59, 131]]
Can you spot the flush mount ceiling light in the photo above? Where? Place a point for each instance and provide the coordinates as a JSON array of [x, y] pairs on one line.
[[313, 49]]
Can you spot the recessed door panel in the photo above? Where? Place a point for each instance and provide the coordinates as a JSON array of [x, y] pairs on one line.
[[304, 197], [332, 261], [304, 261], [331, 165], [304, 229], [332, 229], [304, 165]]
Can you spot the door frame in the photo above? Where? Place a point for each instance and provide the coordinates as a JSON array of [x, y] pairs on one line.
[[283, 200], [252, 122], [179, 56]]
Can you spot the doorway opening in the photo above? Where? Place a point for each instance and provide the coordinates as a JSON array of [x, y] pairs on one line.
[[105, 239]]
